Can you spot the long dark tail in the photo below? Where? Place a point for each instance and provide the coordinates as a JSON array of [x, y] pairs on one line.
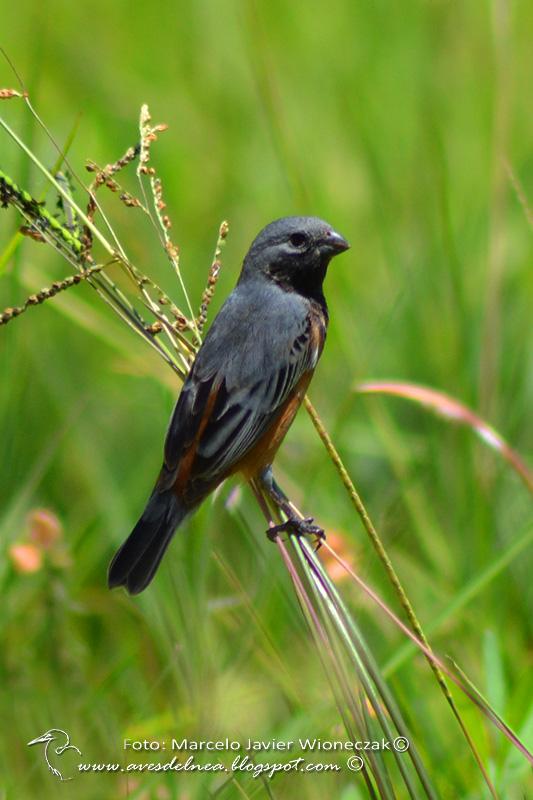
[[135, 563]]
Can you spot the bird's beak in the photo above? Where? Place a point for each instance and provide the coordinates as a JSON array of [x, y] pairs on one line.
[[334, 243], [39, 740]]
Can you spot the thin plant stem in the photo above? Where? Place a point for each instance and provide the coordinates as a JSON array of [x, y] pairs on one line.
[[335, 630], [393, 577], [350, 631], [472, 694]]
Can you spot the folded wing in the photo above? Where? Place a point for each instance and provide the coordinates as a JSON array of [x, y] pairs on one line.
[[223, 411]]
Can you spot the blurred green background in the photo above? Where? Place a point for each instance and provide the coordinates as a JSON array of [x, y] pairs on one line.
[[406, 125]]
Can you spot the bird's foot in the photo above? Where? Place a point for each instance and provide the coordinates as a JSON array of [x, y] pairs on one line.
[[298, 527]]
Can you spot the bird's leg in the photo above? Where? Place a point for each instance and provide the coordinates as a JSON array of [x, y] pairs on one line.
[[293, 523]]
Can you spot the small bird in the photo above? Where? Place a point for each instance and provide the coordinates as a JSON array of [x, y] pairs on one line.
[[55, 735], [246, 384]]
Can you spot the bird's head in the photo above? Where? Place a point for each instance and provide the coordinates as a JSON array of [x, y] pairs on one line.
[[49, 736], [294, 252]]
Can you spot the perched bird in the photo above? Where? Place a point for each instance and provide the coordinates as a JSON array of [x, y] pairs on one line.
[[245, 386]]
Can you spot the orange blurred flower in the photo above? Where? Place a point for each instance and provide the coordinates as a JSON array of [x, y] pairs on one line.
[[45, 529], [43, 537], [26, 558]]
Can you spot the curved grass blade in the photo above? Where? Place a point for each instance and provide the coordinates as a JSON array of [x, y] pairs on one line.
[[448, 407]]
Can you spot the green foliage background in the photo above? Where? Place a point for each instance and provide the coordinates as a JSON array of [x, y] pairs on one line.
[[400, 123]]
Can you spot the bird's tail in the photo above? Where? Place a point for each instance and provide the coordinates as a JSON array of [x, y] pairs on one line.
[[135, 563]]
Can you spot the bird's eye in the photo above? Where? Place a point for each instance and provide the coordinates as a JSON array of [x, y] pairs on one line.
[[298, 240]]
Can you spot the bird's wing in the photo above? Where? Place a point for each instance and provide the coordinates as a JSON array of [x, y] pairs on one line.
[[223, 410]]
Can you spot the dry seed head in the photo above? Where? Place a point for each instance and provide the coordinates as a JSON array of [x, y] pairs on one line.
[[129, 200], [8, 94], [145, 114], [32, 233], [173, 250], [181, 322]]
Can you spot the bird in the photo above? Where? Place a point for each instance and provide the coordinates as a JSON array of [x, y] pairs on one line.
[[54, 735], [243, 390]]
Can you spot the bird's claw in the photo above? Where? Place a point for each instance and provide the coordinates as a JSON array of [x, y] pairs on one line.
[[298, 527]]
